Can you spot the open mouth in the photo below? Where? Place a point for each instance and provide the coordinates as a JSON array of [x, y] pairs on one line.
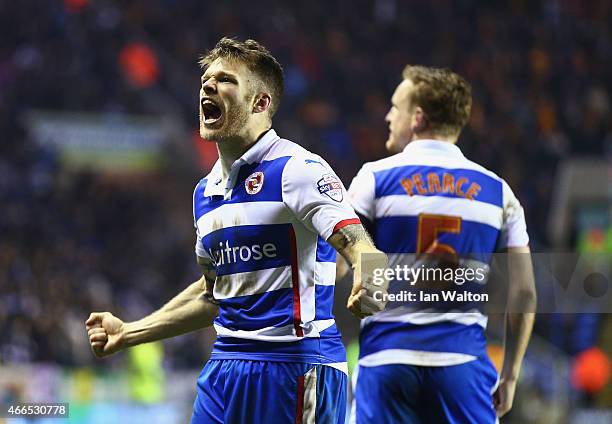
[[211, 112]]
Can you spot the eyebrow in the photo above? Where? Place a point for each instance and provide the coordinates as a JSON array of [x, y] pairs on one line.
[[218, 75]]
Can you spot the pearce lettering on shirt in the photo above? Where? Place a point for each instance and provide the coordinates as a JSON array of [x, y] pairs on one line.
[[440, 182]]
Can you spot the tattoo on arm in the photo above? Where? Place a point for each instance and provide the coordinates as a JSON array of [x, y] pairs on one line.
[[348, 237]]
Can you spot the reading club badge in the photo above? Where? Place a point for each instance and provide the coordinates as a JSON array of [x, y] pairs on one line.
[[330, 186], [254, 183]]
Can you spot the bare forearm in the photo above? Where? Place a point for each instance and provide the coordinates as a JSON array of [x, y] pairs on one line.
[[521, 310], [190, 310], [356, 246], [518, 328]]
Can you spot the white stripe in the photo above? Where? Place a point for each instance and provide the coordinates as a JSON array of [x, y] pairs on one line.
[[470, 210], [306, 257], [310, 396], [252, 282], [325, 273], [268, 334], [353, 414], [414, 357], [277, 334], [340, 366], [321, 325], [428, 316], [247, 213]]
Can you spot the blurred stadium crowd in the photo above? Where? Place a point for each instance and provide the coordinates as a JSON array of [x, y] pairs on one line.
[[72, 242]]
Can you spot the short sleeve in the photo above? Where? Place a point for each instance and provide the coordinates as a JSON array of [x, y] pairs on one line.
[[316, 196], [199, 248], [514, 228], [361, 193]]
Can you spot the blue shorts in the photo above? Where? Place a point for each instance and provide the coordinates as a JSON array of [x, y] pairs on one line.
[[243, 391], [420, 395]]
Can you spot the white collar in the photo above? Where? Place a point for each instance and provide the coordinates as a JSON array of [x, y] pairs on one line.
[[255, 153], [433, 146]]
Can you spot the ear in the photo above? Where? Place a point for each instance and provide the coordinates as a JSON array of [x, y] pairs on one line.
[[262, 102], [419, 120]]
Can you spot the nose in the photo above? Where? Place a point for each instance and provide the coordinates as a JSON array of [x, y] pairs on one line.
[[210, 86], [388, 117]]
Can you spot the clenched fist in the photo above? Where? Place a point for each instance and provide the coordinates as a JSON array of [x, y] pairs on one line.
[[368, 295], [105, 333]]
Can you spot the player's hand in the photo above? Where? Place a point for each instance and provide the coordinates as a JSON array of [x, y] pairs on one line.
[[366, 301], [504, 396], [105, 333], [368, 295], [354, 301]]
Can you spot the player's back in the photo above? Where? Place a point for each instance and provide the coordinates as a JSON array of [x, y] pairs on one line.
[[431, 201]]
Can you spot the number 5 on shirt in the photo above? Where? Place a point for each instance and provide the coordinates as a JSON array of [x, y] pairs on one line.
[[427, 234]]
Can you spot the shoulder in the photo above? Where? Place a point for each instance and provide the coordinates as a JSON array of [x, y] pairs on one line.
[[291, 159], [201, 184], [199, 188], [509, 199], [470, 164], [301, 163]]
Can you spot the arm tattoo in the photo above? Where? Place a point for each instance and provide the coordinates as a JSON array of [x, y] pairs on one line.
[[350, 235]]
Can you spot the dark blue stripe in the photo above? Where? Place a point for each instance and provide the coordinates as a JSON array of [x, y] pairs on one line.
[[248, 246], [324, 302], [248, 313], [198, 199], [325, 253], [387, 182], [440, 337], [271, 190], [398, 234], [326, 349]]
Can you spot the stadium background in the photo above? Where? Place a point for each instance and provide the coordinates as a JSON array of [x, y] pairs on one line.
[[100, 153]]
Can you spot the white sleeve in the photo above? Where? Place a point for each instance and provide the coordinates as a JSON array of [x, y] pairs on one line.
[[199, 248], [514, 228], [361, 193], [316, 196]]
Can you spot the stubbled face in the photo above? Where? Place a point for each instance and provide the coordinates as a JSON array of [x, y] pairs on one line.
[[400, 118], [226, 100]]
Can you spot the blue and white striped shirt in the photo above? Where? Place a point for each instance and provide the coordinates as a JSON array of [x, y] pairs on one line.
[[430, 193], [265, 234]]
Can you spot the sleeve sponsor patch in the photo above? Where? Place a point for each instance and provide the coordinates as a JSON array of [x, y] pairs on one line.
[[331, 186]]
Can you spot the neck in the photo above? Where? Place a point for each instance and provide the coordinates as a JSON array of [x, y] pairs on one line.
[[428, 135], [231, 149]]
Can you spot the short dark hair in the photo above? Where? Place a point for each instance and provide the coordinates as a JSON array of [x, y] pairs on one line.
[[444, 96], [257, 58]]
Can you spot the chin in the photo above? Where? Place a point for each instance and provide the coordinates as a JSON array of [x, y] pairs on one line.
[[207, 135], [212, 134]]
